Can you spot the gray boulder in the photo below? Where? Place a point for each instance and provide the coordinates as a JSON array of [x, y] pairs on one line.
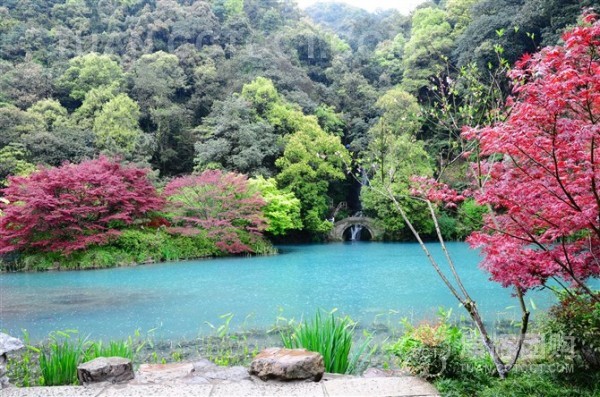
[[288, 364], [7, 344], [105, 369]]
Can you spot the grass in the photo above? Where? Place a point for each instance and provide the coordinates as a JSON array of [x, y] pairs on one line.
[[133, 246], [58, 362], [57, 359], [332, 337], [531, 382]]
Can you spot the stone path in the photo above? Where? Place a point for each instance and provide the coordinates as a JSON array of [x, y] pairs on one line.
[[204, 379]]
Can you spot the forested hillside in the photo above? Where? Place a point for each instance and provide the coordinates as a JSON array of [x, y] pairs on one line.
[[310, 98]]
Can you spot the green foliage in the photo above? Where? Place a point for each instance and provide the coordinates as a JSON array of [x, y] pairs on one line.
[[133, 246], [521, 384], [388, 55], [51, 111], [13, 162], [117, 126], [21, 369], [332, 337], [470, 218], [312, 159], [235, 138], [120, 348], [59, 359], [430, 350], [63, 144], [391, 161], [84, 116], [401, 113], [89, 71], [282, 209], [573, 326], [329, 120], [15, 124], [427, 49]]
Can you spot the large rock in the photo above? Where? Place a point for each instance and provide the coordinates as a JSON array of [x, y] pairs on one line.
[[105, 369], [288, 364], [7, 345]]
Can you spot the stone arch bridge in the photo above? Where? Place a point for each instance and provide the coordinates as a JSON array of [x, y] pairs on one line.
[[340, 227]]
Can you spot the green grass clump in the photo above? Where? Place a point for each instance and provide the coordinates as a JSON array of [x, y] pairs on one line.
[[526, 383], [59, 360], [65, 350], [131, 247], [332, 337]]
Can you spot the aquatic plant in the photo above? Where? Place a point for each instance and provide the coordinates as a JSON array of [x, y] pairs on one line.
[[332, 337], [59, 359]]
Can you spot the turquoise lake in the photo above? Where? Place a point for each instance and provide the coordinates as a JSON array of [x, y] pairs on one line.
[[372, 282]]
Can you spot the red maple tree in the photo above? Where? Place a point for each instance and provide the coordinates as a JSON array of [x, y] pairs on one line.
[[74, 206], [543, 186], [219, 203]]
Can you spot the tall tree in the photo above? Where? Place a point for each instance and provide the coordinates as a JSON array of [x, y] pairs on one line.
[[89, 71], [546, 189]]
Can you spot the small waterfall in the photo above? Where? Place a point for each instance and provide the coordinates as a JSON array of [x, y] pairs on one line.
[[355, 232]]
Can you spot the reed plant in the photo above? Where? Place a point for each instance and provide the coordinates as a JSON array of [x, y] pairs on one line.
[[122, 348], [330, 336], [59, 359]]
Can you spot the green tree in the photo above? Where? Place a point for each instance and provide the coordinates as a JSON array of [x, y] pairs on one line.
[[15, 123], [155, 80], [282, 208], [233, 137], [24, 84], [93, 102], [311, 161], [427, 50], [116, 127], [13, 162], [389, 56], [51, 111], [64, 143], [89, 71], [401, 111], [404, 157]]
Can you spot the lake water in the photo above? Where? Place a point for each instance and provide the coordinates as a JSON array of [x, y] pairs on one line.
[[372, 282]]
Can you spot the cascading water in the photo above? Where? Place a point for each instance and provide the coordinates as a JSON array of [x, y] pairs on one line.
[[355, 232]]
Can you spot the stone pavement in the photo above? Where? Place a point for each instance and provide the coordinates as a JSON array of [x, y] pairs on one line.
[[204, 379]]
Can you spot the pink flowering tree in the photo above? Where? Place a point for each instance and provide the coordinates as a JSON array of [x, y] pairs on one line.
[[537, 172], [220, 204], [74, 206], [545, 190]]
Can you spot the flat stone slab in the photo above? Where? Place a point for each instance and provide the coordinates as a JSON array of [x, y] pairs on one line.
[[258, 388], [54, 391], [379, 387], [337, 386], [157, 391], [162, 373]]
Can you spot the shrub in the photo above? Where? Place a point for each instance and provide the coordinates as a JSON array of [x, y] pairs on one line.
[[219, 203], [72, 207], [430, 350], [332, 337], [573, 325]]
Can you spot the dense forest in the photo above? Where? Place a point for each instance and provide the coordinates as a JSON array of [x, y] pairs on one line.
[[310, 103]]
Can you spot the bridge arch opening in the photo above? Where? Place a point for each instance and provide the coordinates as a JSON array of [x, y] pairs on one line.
[[364, 234]]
